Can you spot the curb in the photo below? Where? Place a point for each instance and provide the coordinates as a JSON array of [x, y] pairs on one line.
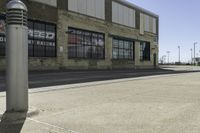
[[93, 83]]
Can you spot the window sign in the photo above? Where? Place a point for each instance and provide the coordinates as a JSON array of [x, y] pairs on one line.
[[41, 34], [41, 38]]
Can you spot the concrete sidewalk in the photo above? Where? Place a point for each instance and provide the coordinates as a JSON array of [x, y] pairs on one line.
[[154, 104]]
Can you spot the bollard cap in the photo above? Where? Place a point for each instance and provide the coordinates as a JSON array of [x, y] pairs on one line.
[[16, 13], [16, 4]]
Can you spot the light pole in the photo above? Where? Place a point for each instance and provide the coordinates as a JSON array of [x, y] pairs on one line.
[[179, 54], [191, 56], [194, 52], [163, 59], [168, 53]]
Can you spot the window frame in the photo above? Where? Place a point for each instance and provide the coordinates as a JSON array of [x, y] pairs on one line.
[[43, 40], [45, 54], [99, 55], [131, 49]]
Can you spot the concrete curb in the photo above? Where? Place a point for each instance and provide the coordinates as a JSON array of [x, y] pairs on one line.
[[87, 84]]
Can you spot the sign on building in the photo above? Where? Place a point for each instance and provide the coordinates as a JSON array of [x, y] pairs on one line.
[[41, 38]]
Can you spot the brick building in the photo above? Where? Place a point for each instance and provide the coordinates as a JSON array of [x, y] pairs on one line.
[[87, 34]]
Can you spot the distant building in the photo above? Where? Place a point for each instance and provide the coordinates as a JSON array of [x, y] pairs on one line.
[[87, 34]]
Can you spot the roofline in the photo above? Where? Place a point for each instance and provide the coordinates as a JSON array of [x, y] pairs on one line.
[[137, 7]]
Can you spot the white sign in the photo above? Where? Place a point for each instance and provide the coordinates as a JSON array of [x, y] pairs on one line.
[[61, 49], [41, 34], [2, 39]]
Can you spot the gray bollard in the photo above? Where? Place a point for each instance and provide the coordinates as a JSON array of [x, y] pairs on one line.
[[16, 57]]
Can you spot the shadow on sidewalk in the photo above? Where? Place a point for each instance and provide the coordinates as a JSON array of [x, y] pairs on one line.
[[12, 122]]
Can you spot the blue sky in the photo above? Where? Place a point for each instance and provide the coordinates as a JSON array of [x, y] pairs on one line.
[[179, 25]]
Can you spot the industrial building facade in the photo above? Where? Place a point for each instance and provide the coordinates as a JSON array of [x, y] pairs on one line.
[[87, 34]]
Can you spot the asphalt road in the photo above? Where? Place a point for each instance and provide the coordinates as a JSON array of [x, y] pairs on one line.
[[51, 78]]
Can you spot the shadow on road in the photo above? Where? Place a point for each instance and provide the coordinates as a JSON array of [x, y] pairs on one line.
[[12, 122]]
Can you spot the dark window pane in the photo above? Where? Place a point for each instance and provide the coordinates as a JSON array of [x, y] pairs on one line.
[[72, 51], [115, 43], [72, 39], [80, 51], [88, 44], [94, 39], [30, 48], [41, 39], [44, 39], [2, 35], [121, 44], [145, 51], [101, 42], [123, 49]]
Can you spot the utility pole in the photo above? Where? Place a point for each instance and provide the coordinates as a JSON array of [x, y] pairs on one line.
[[179, 54], [168, 53], [194, 52], [163, 59], [191, 56]]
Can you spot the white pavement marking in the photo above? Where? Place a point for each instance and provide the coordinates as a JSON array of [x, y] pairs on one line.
[[53, 126]]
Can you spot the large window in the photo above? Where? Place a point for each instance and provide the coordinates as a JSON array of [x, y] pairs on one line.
[[145, 51], [42, 39], [85, 44], [123, 49]]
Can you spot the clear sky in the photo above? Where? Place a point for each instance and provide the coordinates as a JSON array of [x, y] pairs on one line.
[[179, 25]]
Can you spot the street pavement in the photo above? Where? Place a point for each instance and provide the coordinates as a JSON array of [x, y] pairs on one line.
[[167, 103], [52, 78]]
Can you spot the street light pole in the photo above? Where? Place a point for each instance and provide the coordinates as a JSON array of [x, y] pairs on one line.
[[163, 59], [179, 54], [194, 52], [191, 56], [168, 52]]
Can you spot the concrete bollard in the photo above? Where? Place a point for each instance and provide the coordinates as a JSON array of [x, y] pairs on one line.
[[16, 57]]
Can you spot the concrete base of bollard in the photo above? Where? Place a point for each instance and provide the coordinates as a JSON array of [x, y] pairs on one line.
[[17, 117]]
